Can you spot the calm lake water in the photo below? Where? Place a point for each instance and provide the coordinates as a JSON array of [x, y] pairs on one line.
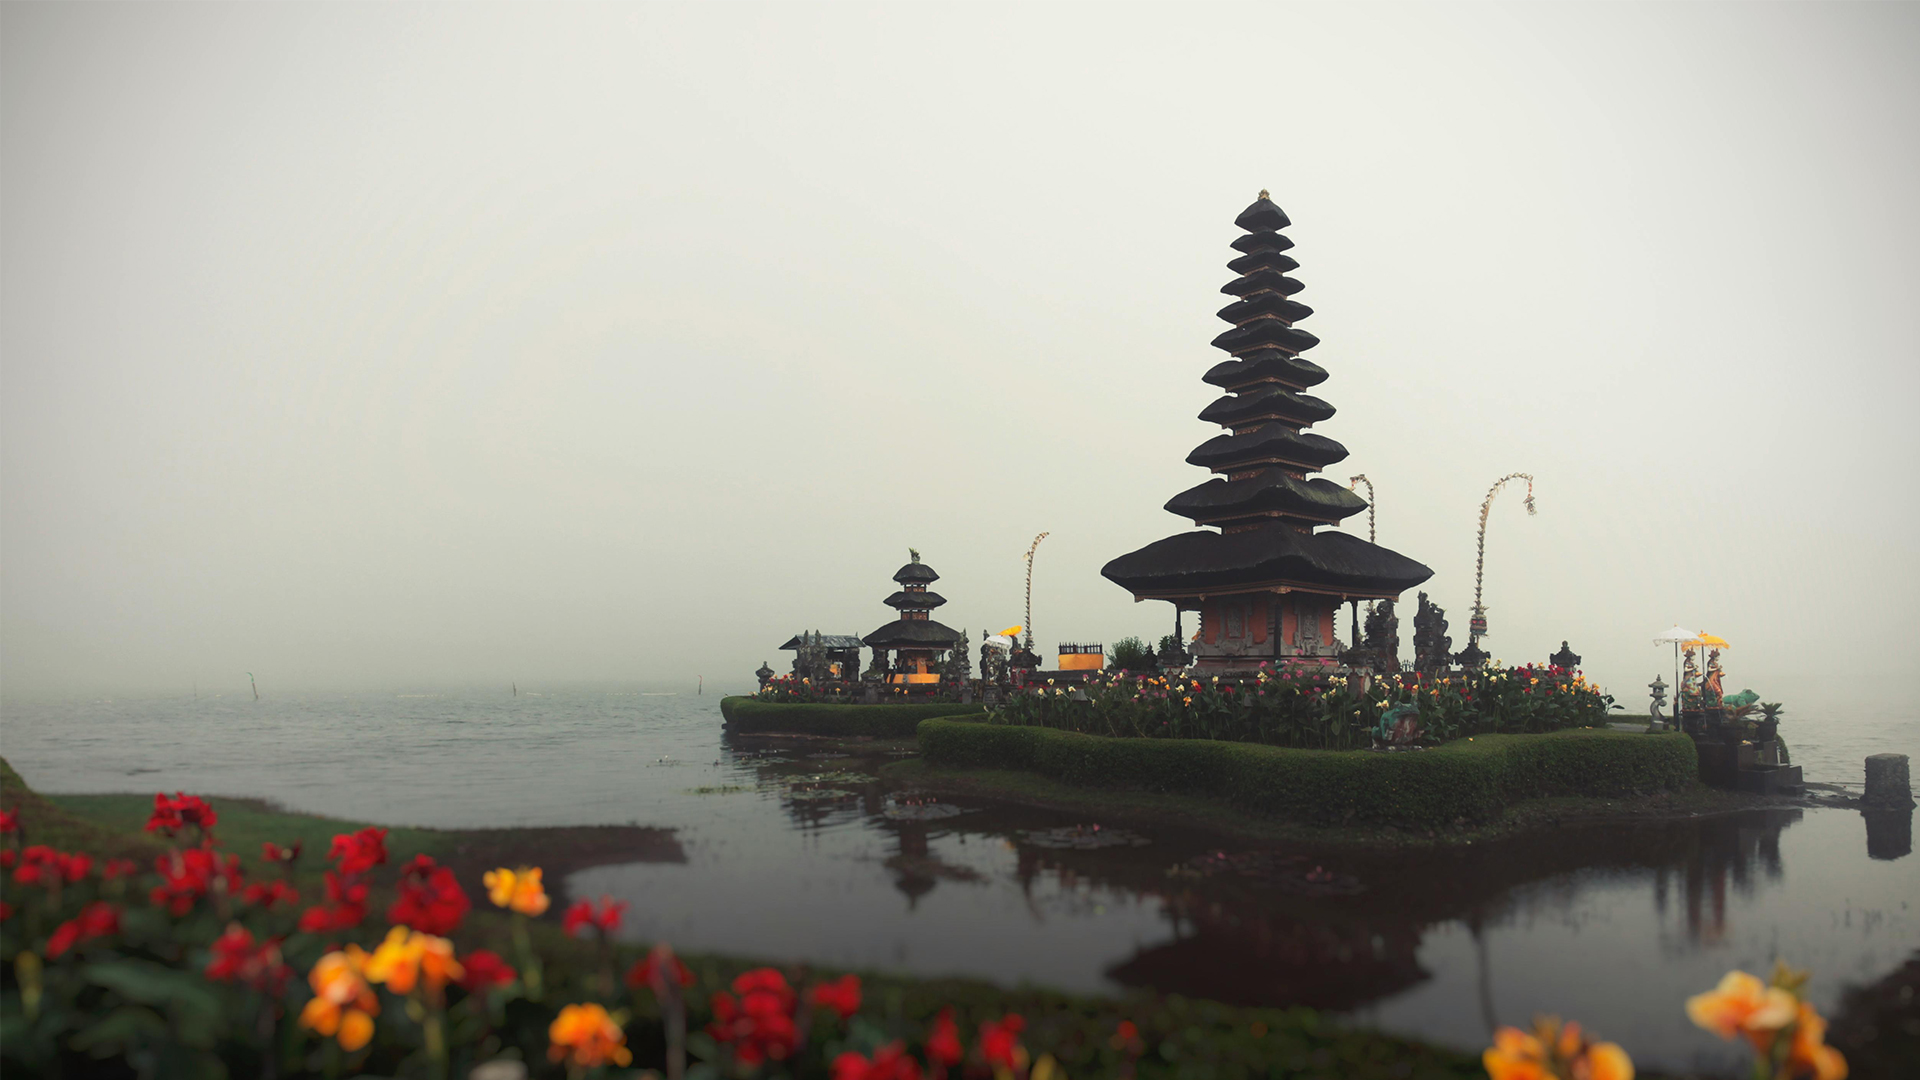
[[794, 854]]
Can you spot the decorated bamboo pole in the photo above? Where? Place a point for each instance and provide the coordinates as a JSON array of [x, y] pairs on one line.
[[1477, 626], [1030, 550], [1353, 483]]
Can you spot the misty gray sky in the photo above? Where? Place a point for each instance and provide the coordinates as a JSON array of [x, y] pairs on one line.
[[369, 346]]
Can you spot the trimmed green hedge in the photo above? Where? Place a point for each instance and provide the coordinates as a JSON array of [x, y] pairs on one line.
[[1472, 779], [750, 715]]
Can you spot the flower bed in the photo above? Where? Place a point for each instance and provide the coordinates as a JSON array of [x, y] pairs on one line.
[[1473, 778], [750, 716], [1319, 711]]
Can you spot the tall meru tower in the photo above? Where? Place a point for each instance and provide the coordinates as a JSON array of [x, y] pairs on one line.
[[1267, 585]]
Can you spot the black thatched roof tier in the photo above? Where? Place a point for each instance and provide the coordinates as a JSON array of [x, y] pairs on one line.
[[1265, 303], [1262, 216], [1262, 281], [1268, 403], [1295, 371], [1263, 260], [915, 573], [1272, 443], [1273, 556], [1263, 241], [914, 634], [915, 601], [1265, 334], [830, 641], [1272, 491]]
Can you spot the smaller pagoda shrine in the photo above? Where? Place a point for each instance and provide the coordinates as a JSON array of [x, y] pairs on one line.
[[918, 643]]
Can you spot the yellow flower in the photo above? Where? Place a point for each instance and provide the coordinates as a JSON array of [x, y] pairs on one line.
[[518, 889], [1809, 1050], [1745, 1005], [406, 957], [1553, 1050], [343, 1005], [584, 1035]]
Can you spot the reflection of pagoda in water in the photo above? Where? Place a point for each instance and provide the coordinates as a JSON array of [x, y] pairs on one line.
[[918, 643], [1266, 585]]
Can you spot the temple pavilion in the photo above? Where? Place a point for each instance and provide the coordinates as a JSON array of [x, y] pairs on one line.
[[918, 642], [1269, 582]]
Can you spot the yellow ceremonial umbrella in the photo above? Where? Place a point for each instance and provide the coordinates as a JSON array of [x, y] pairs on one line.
[[1709, 641]]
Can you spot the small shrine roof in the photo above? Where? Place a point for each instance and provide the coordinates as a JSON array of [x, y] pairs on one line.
[[1264, 260], [1267, 401], [914, 601], [1197, 562], [1262, 281], [1265, 303], [915, 573], [1272, 490], [1262, 216], [914, 634], [1265, 364], [1263, 333], [1270, 443], [1263, 241], [831, 641]]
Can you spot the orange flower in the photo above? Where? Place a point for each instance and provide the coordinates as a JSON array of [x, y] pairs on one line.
[[1515, 1055], [585, 1036], [1554, 1051], [1743, 1004], [518, 889], [343, 1005], [1809, 1053], [408, 956]]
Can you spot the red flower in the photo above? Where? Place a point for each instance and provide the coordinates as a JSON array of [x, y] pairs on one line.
[[657, 968], [1000, 1042], [273, 852], [38, 865], [890, 1062], [115, 869], [271, 893], [97, 919], [484, 971], [842, 996], [759, 1025], [171, 815], [237, 959], [606, 920], [6, 911], [74, 867], [431, 900], [943, 1043], [346, 906], [189, 874], [8, 857], [9, 822], [359, 852]]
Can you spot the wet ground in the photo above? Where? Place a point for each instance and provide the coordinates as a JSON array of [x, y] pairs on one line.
[[795, 852]]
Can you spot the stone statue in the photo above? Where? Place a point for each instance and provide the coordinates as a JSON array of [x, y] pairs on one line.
[[959, 665], [1659, 688], [1398, 726], [1432, 648], [1566, 659], [1306, 628], [765, 674], [1383, 636], [1710, 693]]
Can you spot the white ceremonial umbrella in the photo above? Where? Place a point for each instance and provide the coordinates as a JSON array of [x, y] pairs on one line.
[[1678, 636]]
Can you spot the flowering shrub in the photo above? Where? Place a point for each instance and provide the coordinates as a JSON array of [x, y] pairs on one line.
[[1294, 707], [1789, 1038]]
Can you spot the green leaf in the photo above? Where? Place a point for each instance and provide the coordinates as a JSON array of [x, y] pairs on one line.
[[122, 1029], [186, 998]]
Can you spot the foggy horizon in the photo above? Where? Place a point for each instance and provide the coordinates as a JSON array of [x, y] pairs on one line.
[[414, 347]]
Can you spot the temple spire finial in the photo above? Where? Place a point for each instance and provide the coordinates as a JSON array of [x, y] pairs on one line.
[[1264, 195]]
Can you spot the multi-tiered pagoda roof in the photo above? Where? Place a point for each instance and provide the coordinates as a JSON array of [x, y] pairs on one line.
[[1264, 500], [915, 628]]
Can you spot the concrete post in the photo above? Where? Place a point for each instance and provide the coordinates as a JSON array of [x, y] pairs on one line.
[[1887, 783]]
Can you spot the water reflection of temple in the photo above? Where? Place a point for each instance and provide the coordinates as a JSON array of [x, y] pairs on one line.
[[1729, 855]]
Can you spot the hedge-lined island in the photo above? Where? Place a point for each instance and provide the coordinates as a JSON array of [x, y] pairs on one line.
[[1263, 710]]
